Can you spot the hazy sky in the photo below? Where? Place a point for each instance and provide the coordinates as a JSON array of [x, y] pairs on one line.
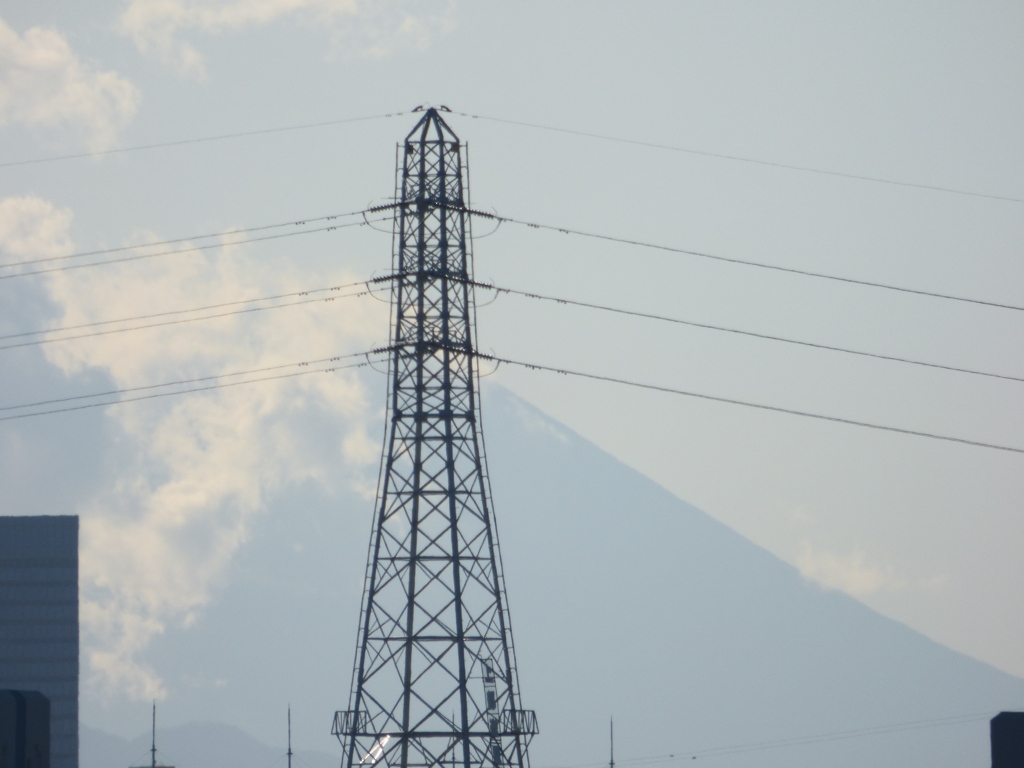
[[928, 93]]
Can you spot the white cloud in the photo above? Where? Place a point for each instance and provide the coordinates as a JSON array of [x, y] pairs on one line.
[[44, 84], [158, 543], [534, 421], [358, 28], [190, 474], [855, 574], [849, 573], [31, 227]]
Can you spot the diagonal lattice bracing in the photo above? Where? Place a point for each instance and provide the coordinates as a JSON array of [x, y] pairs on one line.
[[434, 682]]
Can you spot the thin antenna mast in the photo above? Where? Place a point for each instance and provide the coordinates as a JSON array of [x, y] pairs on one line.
[[289, 736], [152, 748], [611, 733]]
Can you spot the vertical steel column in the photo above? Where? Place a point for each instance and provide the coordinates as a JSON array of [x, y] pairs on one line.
[[435, 680]]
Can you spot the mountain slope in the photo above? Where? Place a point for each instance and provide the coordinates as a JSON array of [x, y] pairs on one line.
[[640, 605], [625, 601]]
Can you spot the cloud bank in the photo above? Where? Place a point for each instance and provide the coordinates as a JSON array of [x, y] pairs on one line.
[[44, 84], [358, 28], [855, 574], [187, 475], [31, 227]]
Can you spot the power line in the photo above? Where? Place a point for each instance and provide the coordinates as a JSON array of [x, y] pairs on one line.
[[140, 256], [730, 260], [299, 223], [742, 159], [748, 404], [493, 358], [199, 140], [663, 318], [487, 286], [182, 382], [484, 214], [171, 313], [569, 131], [179, 321], [185, 392]]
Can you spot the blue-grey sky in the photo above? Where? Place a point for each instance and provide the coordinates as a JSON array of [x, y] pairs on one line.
[[922, 92]]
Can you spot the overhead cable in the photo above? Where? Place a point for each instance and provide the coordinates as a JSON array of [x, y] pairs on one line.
[[743, 159], [179, 321], [748, 404], [753, 334], [492, 358], [194, 249], [186, 391], [199, 380], [245, 230], [199, 140], [744, 262], [302, 295], [171, 313]]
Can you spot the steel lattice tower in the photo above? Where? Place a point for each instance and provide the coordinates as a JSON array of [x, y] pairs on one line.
[[435, 681]]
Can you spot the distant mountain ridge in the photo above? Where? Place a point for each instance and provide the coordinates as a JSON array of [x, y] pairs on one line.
[[625, 601]]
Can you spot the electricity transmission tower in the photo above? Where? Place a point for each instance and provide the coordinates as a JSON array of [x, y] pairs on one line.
[[435, 680]]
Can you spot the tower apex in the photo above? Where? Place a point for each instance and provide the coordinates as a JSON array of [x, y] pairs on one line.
[[431, 127]]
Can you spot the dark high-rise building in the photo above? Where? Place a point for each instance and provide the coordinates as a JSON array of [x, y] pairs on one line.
[[39, 621], [24, 729], [1007, 730]]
